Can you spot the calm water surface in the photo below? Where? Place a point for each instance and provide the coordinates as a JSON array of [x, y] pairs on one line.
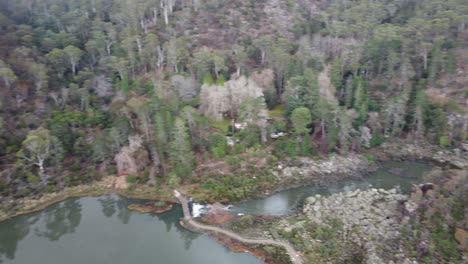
[[103, 231], [390, 175]]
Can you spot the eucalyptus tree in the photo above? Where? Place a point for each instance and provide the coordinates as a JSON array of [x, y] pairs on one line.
[[39, 147]]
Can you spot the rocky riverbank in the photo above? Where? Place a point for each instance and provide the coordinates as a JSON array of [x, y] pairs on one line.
[[383, 226], [421, 150], [337, 167], [369, 219], [322, 171]]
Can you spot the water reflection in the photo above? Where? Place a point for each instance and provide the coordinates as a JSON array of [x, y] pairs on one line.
[[105, 231], [11, 233], [108, 204], [61, 219], [187, 236], [124, 214]]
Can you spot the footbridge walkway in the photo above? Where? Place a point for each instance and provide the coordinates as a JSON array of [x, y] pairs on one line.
[[295, 258]]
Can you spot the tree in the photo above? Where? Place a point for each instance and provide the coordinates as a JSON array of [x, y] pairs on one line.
[[264, 44], [395, 112], [254, 110], [347, 94], [152, 53], [141, 108], [360, 103], [74, 55], [239, 56], [2, 125], [218, 63], [121, 66], [279, 60], [323, 113], [176, 52], [181, 153], [201, 64], [38, 147], [420, 105], [345, 127], [301, 91], [104, 36], [301, 118], [7, 74], [39, 73], [56, 58]]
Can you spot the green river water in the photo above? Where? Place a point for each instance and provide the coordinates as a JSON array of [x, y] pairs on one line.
[[102, 230]]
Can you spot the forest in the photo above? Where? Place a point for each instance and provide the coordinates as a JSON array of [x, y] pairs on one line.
[[155, 88]]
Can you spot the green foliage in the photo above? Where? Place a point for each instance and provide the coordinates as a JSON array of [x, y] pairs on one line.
[[444, 141], [173, 181], [3, 186], [125, 86], [336, 74], [376, 140], [145, 177], [32, 179], [234, 188], [458, 210], [180, 152], [443, 239], [60, 68], [277, 112], [132, 179], [301, 91], [436, 121], [220, 81], [301, 118], [279, 125], [208, 79], [222, 125], [218, 145], [233, 161], [250, 135], [285, 148]]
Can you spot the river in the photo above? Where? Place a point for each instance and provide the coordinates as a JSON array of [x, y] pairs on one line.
[[102, 230], [391, 174]]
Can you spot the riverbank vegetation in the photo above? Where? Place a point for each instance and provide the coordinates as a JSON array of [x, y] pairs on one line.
[[376, 225], [93, 88], [212, 96]]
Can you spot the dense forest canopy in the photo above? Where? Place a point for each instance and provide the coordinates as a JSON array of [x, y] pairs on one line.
[[221, 97], [94, 87]]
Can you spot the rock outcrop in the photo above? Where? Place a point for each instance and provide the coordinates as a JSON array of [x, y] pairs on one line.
[[370, 218], [424, 151], [325, 170]]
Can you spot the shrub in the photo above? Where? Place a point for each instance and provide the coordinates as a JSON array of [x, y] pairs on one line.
[[3, 185], [131, 179], [208, 79], [444, 141], [145, 177], [173, 181], [33, 179], [376, 140]]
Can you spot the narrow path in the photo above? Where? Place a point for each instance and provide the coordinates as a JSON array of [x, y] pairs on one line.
[[188, 219]]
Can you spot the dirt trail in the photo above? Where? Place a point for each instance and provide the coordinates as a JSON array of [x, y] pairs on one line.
[[189, 220]]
